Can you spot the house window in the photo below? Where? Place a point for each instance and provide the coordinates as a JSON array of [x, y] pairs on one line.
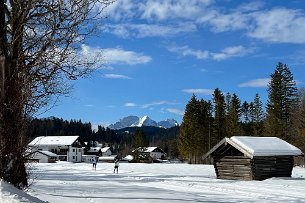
[[73, 157], [79, 150], [73, 150]]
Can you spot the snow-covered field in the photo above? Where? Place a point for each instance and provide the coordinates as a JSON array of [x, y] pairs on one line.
[[68, 182]]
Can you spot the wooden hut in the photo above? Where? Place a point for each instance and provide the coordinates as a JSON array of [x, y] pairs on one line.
[[252, 158]]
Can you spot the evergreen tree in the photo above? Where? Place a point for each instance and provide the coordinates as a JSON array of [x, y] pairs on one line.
[[188, 137], [219, 117], [246, 124], [233, 116], [194, 137], [299, 120], [282, 100], [139, 142], [257, 116], [204, 125]]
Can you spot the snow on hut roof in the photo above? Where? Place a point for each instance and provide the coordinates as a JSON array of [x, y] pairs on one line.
[[266, 146], [53, 140], [258, 146]]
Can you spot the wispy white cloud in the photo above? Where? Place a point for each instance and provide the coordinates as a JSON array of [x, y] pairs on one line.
[[277, 25], [120, 56], [229, 52], [115, 76], [149, 105], [261, 82], [226, 53], [114, 55], [199, 91], [130, 104], [175, 111], [149, 30], [164, 10], [121, 10], [187, 51], [280, 25], [223, 22]]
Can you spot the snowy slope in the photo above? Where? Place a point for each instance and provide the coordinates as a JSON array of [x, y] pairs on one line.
[[145, 121], [10, 194], [150, 183]]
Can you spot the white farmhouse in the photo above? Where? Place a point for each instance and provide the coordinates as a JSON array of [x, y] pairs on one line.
[[153, 152], [68, 148]]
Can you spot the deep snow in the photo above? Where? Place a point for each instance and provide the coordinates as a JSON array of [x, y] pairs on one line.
[[68, 182]]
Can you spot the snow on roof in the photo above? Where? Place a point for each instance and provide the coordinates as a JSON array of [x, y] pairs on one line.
[[104, 149], [150, 149], [128, 158], [107, 158], [94, 149], [147, 149], [266, 146], [47, 153], [53, 140]]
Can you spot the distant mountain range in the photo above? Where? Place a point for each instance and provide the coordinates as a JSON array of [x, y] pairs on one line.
[[135, 121]]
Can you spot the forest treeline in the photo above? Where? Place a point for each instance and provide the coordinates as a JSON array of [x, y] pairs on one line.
[[204, 123]]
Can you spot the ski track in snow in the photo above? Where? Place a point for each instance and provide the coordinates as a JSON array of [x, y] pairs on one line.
[[63, 181]]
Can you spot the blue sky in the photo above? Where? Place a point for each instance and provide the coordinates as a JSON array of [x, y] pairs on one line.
[[157, 53]]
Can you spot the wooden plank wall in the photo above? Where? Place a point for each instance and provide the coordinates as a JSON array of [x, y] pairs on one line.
[[233, 167], [258, 168], [267, 167]]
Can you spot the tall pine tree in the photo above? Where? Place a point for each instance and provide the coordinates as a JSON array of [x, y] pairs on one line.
[[187, 137], [257, 116], [233, 126], [282, 100], [219, 117], [193, 140]]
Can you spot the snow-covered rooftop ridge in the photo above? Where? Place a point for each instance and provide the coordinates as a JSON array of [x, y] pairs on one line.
[[53, 140], [47, 153], [104, 149], [266, 146], [94, 149], [150, 149]]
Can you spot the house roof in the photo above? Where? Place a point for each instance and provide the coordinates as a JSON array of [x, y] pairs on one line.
[[53, 140], [148, 149], [104, 149], [94, 149], [258, 146], [47, 153]]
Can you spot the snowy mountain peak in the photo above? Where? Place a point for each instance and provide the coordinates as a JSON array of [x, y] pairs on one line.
[[145, 121], [134, 121], [168, 123]]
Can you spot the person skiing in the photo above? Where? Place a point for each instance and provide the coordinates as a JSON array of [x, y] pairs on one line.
[[116, 166], [94, 163]]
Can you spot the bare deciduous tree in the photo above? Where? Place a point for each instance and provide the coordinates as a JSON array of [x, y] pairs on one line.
[[40, 43]]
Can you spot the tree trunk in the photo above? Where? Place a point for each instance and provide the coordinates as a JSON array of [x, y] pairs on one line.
[[12, 130]]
